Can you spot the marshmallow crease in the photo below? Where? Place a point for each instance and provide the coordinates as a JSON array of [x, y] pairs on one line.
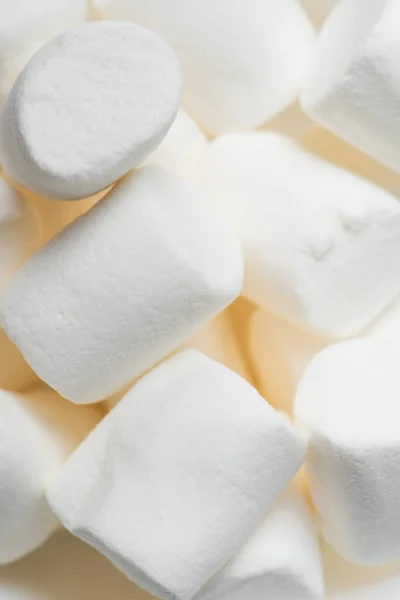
[[178, 475], [26, 25], [347, 407], [321, 245], [38, 431], [122, 286], [281, 560], [242, 63], [20, 231], [353, 83], [90, 106]]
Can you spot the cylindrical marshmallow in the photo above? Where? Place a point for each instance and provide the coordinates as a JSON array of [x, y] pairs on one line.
[[183, 148], [347, 406], [26, 25], [19, 231], [242, 62], [353, 84], [280, 561], [321, 245], [123, 286], [280, 352], [38, 431], [90, 106], [178, 475]]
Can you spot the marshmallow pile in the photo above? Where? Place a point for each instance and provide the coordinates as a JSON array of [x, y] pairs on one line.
[[200, 299]]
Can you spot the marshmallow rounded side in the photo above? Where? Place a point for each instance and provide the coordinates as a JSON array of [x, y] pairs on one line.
[[122, 286], [347, 407], [178, 474], [242, 63], [281, 560], [320, 245], [80, 116], [38, 431], [26, 26], [20, 231], [353, 83]]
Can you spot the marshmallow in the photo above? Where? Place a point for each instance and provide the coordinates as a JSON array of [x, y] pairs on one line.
[[183, 148], [19, 231], [321, 245], [353, 84], [38, 431], [347, 405], [178, 475], [242, 62], [281, 560], [345, 581], [80, 116], [123, 286], [280, 353], [25, 26], [63, 569]]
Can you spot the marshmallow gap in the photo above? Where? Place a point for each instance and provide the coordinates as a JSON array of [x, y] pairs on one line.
[[178, 475], [26, 25], [38, 431], [123, 286], [281, 560], [91, 105], [347, 406], [280, 353], [353, 85], [19, 231], [321, 245], [242, 62]]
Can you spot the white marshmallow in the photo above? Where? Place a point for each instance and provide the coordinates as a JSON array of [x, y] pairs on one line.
[[183, 148], [281, 560], [280, 353], [26, 25], [64, 569], [353, 85], [242, 62], [346, 581], [178, 475], [38, 431], [321, 244], [347, 405], [122, 287], [80, 116], [19, 231]]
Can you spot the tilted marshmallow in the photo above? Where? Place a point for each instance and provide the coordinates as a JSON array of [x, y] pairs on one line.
[[26, 26], [280, 353], [178, 475], [346, 581], [183, 148], [19, 231], [353, 84], [347, 405], [318, 10], [38, 431], [281, 560], [321, 244], [123, 286], [79, 116], [242, 62]]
